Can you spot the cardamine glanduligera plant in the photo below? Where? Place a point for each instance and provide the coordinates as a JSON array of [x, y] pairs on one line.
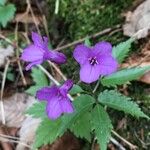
[[68, 107]]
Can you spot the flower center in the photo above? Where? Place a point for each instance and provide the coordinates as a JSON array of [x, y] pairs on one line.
[[93, 61]]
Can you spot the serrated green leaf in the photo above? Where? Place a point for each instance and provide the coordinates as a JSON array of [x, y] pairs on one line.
[[101, 123], [123, 76], [37, 110], [121, 50], [82, 127], [120, 102], [2, 2], [6, 14], [82, 104], [76, 89], [46, 132], [40, 81]]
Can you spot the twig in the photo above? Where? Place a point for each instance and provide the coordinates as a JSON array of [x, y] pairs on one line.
[[58, 70], [9, 137], [45, 26], [93, 144], [115, 142], [7, 40], [33, 16], [17, 55], [13, 141], [91, 36], [61, 42], [49, 75], [115, 31], [124, 140], [2, 91], [141, 141]]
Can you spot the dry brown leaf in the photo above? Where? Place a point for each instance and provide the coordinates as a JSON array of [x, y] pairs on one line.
[[14, 108], [142, 59], [5, 52], [67, 142], [27, 132], [5, 145], [122, 124], [7, 131], [27, 18], [138, 21], [146, 78]]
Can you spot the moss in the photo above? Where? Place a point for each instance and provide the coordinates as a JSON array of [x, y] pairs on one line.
[[84, 17]]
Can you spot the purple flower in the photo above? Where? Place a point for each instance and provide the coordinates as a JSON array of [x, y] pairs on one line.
[[95, 61], [38, 52], [57, 99]]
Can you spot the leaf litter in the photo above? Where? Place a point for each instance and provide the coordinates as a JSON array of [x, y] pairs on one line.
[[138, 20], [15, 107], [140, 59], [5, 52]]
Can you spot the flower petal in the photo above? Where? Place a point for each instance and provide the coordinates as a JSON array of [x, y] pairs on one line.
[[37, 39], [54, 108], [102, 48], [81, 53], [66, 105], [89, 73], [47, 93], [107, 65], [67, 85], [30, 65], [45, 40], [45, 44], [32, 53], [56, 57], [40, 41]]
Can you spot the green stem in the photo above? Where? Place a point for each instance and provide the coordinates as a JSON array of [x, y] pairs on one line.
[[96, 86]]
